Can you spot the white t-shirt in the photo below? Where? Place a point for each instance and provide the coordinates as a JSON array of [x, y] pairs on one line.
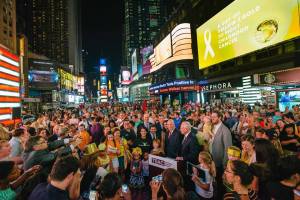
[[208, 180]]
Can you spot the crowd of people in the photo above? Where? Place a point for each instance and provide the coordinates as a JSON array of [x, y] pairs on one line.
[[101, 151]]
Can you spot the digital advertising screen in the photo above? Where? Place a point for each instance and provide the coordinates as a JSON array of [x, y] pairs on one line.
[[288, 99], [103, 80], [126, 77], [180, 47], [35, 76], [119, 93], [245, 26], [134, 65], [163, 50], [145, 53], [103, 69]]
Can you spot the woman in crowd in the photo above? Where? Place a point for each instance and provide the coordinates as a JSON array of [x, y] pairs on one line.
[[172, 185], [111, 189], [143, 141], [248, 152], [280, 125], [239, 175], [204, 185]]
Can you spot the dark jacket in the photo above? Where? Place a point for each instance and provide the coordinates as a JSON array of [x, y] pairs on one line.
[[190, 149], [45, 157], [173, 144]]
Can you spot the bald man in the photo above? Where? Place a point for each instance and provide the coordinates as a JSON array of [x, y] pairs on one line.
[[173, 140]]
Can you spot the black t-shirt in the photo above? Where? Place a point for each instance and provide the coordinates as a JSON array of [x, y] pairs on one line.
[[128, 135], [279, 191], [286, 137], [47, 191], [144, 144]]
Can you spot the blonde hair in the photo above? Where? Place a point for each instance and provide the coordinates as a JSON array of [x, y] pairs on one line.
[[157, 141], [207, 159]]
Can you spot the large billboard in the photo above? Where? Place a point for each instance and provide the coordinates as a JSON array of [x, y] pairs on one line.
[[163, 50], [134, 65], [9, 87], [245, 26], [174, 47], [36, 76], [125, 75], [146, 64]]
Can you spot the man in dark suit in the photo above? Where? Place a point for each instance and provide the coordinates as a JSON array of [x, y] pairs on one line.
[[145, 123], [173, 140], [160, 123], [188, 153], [154, 134], [189, 147]]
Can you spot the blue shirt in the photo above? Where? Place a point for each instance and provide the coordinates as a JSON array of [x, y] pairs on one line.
[[46, 191]]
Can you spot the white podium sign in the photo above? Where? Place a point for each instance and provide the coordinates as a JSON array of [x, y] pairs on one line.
[[162, 162]]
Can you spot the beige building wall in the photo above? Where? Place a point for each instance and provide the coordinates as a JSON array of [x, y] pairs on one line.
[[8, 24]]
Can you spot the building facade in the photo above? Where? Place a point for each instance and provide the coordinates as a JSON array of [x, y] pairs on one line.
[[8, 24], [54, 30], [143, 19]]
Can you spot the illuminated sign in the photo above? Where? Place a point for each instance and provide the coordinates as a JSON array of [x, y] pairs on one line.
[[163, 50], [179, 48], [175, 83], [103, 80], [283, 77], [9, 86], [66, 79], [119, 93], [219, 86], [79, 84], [36, 76], [134, 65], [246, 26], [102, 61], [126, 77], [103, 69]]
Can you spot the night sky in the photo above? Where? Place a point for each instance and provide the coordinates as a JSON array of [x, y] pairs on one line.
[[102, 32]]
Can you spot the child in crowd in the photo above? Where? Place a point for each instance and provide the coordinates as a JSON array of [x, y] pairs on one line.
[[103, 162], [204, 185], [157, 150], [136, 181], [112, 151], [145, 170]]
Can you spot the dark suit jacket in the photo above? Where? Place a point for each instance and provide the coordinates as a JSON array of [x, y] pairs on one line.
[[143, 125], [159, 127], [173, 144], [190, 149]]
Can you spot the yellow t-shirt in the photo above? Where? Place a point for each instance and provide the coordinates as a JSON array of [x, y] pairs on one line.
[[122, 147]]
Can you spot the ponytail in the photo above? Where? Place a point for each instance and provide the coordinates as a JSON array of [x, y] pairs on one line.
[[212, 169]]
